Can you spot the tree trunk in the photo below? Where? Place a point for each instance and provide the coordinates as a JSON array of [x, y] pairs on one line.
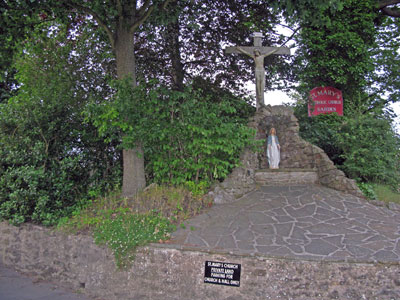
[[173, 44], [133, 159]]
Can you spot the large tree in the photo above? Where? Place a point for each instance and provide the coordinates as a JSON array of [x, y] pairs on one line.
[[119, 19], [190, 46]]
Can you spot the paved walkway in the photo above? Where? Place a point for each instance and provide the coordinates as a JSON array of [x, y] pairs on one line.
[[302, 222], [14, 286]]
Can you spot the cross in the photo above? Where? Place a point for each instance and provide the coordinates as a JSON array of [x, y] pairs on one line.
[[258, 53]]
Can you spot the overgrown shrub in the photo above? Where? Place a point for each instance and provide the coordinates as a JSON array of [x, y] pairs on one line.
[[370, 150], [364, 146], [367, 189], [323, 131], [186, 136], [49, 158]]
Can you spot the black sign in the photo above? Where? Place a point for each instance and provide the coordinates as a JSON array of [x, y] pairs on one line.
[[222, 273]]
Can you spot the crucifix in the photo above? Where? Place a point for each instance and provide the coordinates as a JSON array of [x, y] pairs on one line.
[[258, 53]]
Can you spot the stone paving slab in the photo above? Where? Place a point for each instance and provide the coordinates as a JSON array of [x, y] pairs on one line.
[[301, 222]]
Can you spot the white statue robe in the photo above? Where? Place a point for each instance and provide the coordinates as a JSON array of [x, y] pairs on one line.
[[273, 152]]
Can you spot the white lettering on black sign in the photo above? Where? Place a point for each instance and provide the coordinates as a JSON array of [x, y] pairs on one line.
[[222, 273]]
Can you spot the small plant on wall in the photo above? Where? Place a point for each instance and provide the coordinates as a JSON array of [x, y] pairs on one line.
[[124, 224]]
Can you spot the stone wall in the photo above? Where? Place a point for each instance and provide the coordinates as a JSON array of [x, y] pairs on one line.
[[164, 272], [293, 177], [296, 153]]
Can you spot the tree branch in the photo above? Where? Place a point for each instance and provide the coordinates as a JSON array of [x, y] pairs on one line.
[[385, 3], [98, 19], [144, 8], [283, 44], [391, 12], [119, 7], [290, 37], [286, 26], [195, 62], [377, 105], [120, 11], [144, 12], [165, 4]]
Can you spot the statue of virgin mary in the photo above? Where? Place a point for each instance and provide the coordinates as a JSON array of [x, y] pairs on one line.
[[273, 150]]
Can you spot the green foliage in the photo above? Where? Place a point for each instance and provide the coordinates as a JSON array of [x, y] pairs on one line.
[[124, 224], [365, 147], [191, 43], [386, 79], [368, 190], [308, 10], [197, 189], [370, 150], [49, 158], [321, 130], [338, 53], [356, 52], [173, 203], [124, 232], [186, 136]]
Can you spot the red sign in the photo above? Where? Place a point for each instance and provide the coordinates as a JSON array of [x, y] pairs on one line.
[[325, 100]]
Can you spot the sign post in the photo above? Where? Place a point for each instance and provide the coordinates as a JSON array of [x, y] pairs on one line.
[[325, 100]]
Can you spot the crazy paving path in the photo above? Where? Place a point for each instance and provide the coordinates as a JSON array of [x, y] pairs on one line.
[[302, 221]]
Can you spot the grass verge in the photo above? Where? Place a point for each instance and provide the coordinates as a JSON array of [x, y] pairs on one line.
[[386, 194], [123, 224]]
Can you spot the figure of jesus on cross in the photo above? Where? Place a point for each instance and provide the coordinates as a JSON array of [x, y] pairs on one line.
[[258, 53]]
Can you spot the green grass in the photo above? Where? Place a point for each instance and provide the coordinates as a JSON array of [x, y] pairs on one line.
[[386, 193]]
